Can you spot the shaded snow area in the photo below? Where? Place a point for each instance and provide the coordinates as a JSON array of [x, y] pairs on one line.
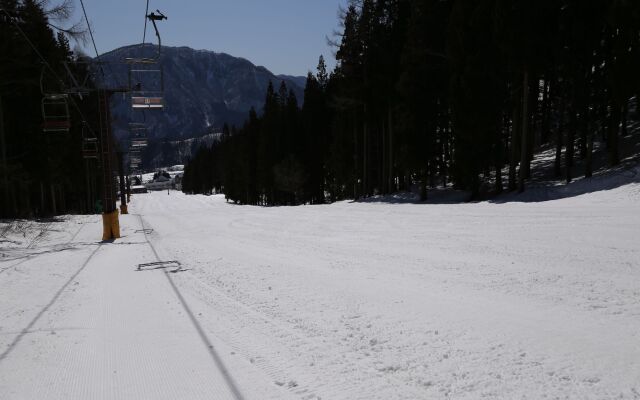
[[379, 300]]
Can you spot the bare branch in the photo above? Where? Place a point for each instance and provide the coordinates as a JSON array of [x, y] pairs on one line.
[[61, 13], [77, 32], [58, 12]]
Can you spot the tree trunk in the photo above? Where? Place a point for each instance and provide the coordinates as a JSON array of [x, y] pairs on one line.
[[546, 112], [586, 123], [445, 153], [603, 122], [583, 135], [571, 135], [588, 173], [613, 135], [356, 159], [534, 113], [365, 155], [53, 200], [498, 166], [5, 172], [524, 154], [42, 205], [63, 200], [515, 144], [432, 174], [383, 162], [559, 143], [14, 202], [27, 199], [390, 175], [423, 186], [88, 186], [623, 123]]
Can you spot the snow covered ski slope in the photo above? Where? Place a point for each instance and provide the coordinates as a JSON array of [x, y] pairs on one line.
[[343, 301]]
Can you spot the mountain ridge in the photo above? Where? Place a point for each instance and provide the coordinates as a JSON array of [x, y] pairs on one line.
[[213, 88]]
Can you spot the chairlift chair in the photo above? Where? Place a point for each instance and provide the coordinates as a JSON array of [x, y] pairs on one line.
[[89, 143], [138, 130], [146, 78], [146, 83], [138, 135], [55, 113], [138, 143], [135, 157]]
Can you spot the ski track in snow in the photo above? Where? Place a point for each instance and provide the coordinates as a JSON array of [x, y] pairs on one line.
[[343, 301]]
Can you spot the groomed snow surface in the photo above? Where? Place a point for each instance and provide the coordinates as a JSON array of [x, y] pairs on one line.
[[517, 300]]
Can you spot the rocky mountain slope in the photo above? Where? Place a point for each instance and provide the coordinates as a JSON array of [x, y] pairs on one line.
[[203, 90]]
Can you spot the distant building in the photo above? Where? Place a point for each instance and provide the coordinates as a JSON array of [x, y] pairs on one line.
[[177, 181]]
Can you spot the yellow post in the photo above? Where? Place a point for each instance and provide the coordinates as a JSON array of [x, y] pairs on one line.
[[115, 225], [106, 226], [110, 226]]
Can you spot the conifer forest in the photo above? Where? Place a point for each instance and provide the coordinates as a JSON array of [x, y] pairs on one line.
[[42, 175], [431, 93]]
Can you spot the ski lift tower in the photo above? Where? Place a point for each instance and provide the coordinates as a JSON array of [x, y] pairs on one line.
[[99, 145]]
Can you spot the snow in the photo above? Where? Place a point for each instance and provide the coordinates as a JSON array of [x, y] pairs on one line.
[[512, 299]]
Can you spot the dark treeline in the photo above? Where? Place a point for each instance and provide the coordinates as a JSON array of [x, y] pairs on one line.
[[278, 158], [432, 92], [40, 173]]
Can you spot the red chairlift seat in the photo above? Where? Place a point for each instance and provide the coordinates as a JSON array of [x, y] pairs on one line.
[[55, 113], [89, 143], [146, 83], [146, 101]]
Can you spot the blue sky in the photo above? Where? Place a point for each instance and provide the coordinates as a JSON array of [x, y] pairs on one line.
[[286, 36]]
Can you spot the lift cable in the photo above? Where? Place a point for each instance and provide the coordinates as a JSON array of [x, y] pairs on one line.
[[144, 38], [144, 33], [84, 11], [95, 48]]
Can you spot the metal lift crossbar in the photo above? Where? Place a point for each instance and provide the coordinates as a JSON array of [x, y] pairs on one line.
[[160, 265]]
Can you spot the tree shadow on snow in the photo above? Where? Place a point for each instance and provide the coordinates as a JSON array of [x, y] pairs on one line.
[[435, 196], [625, 174]]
